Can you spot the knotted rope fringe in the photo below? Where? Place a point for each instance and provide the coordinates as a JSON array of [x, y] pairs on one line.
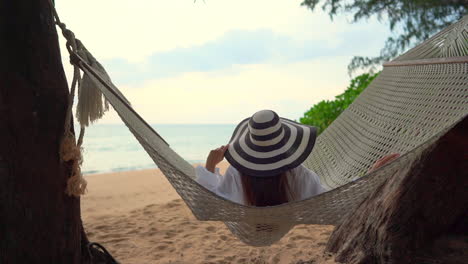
[[91, 106], [69, 149]]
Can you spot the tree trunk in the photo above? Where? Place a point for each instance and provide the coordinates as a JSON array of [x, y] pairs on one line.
[[39, 223], [407, 213]]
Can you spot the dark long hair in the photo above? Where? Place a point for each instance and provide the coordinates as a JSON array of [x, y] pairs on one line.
[[267, 191]]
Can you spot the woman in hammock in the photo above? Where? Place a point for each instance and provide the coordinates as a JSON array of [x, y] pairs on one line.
[[266, 153]]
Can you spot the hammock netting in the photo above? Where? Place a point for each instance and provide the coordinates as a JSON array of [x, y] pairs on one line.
[[415, 100]]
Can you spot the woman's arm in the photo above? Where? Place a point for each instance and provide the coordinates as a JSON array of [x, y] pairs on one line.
[[227, 186], [215, 157]]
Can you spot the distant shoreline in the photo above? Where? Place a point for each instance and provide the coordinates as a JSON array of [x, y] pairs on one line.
[[109, 148]]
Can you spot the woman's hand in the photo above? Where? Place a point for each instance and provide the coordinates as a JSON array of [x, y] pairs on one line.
[[382, 161], [215, 157]]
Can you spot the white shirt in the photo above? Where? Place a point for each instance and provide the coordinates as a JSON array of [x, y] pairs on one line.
[[305, 183]]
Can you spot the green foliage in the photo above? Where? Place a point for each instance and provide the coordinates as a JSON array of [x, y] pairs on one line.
[[412, 20], [321, 115]]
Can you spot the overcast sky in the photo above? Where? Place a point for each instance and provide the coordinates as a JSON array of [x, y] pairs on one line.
[[219, 61]]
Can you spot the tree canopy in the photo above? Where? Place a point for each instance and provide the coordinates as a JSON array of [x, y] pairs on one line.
[[322, 114], [411, 21]]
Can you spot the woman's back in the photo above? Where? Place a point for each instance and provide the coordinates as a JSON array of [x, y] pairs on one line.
[[265, 152], [302, 183]]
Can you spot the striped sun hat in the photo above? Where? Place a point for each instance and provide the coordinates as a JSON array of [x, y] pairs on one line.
[[266, 144]]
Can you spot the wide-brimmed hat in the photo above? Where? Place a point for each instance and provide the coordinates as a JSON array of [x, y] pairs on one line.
[[266, 144]]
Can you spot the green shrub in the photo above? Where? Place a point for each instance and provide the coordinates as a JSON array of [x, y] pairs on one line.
[[325, 112]]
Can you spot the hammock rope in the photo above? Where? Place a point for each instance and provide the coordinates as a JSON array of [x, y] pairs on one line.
[[415, 100]]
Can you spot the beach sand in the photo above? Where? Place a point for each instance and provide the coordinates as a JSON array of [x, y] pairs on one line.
[[139, 218]]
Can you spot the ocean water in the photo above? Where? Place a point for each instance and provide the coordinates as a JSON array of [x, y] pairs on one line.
[[109, 148]]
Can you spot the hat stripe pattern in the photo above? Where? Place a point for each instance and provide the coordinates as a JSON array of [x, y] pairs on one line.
[[272, 141], [286, 146], [287, 135], [267, 137], [262, 124]]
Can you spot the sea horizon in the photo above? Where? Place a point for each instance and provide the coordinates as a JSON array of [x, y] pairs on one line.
[[111, 148]]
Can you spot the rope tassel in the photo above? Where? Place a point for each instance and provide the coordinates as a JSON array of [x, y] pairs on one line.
[[91, 103]]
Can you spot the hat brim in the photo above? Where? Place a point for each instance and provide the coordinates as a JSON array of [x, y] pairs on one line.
[[263, 161]]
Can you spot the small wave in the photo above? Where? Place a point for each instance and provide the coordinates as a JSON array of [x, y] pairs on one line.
[[90, 172], [130, 168], [119, 169]]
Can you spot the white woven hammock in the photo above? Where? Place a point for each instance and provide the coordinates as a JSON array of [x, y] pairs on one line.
[[417, 98]]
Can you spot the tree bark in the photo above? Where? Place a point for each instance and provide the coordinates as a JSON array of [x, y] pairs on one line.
[[39, 223], [408, 212]]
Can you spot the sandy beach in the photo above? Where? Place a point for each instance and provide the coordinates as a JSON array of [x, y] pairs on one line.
[[139, 218]]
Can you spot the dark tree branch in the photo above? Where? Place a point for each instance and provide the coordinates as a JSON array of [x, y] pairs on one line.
[[410, 21]]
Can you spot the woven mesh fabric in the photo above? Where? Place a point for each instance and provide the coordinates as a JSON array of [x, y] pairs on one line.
[[405, 110], [449, 42], [402, 108]]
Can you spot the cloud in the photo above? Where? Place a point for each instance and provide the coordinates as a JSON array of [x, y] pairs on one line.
[[237, 47], [228, 96], [133, 30], [219, 61], [234, 48]]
